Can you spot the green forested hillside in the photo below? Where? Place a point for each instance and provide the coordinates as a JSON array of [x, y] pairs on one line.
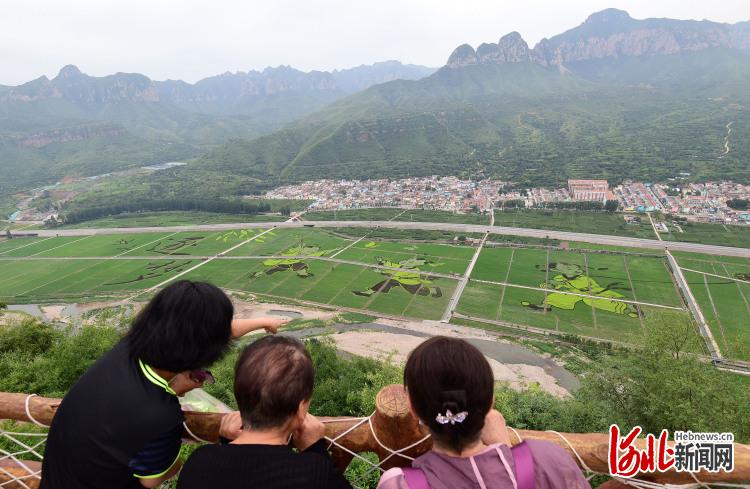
[[524, 122]]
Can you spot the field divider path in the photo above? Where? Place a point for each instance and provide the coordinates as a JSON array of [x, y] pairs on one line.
[[588, 282], [24, 246], [739, 289], [653, 226], [499, 310], [203, 262], [604, 239], [732, 279], [632, 290], [564, 292], [459, 290], [56, 247], [349, 246], [715, 311], [711, 345]]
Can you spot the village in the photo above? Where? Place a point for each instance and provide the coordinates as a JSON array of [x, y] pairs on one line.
[[705, 202]]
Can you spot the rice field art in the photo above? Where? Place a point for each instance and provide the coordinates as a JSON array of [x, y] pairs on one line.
[[409, 277], [293, 259], [570, 279]]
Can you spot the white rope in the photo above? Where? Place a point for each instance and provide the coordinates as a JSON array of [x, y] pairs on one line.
[[28, 412], [520, 438], [193, 435]]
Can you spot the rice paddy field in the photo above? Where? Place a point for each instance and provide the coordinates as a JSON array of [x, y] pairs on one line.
[[305, 265], [611, 294], [721, 286], [603, 295]]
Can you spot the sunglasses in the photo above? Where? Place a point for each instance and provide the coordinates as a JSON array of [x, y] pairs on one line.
[[202, 376]]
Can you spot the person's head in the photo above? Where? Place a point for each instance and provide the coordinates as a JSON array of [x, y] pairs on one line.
[[186, 326], [448, 374], [273, 384]]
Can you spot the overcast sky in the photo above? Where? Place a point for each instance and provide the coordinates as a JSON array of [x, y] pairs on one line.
[[192, 39]]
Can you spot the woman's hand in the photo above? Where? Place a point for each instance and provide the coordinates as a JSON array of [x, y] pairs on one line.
[[231, 425], [495, 430], [272, 324], [311, 431], [240, 327]]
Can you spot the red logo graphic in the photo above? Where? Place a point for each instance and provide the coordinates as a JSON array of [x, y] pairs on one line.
[[625, 460]]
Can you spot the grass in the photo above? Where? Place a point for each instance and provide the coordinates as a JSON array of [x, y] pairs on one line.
[[159, 219], [715, 234], [576, 221], [391, 214]]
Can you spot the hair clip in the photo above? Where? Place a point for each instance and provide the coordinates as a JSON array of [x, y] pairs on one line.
[[451, 418]]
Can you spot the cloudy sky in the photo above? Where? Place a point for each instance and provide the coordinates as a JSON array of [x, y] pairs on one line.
[[191, 39]]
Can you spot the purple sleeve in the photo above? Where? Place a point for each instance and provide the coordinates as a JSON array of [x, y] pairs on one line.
[[554, 468]]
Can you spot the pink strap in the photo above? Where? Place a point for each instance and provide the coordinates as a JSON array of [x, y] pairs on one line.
[[524, 466], [415, 478]]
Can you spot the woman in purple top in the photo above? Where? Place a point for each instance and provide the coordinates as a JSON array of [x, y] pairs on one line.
[[450, 387]]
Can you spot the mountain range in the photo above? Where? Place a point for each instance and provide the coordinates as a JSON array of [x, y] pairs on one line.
[[76, 123], [614, 97]]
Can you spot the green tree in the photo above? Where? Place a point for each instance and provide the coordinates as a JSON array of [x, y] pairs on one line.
[[611, 205]]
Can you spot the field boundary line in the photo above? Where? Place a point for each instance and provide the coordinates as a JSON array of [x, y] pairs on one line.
[[499, 310], [711, 345], [25, 245], [542, 331], [317, 280], [62, 245], [738, 280], [588, 281], [540, 289], [739, 289], [653, 226], [715, 311], [461, 286], [204, 262], [79, 270], [632, 289], [349, 246], [350, 282]]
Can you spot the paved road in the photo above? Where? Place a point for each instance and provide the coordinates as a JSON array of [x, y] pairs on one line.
[[440, 226]]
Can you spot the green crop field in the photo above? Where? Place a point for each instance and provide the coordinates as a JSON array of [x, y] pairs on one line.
[[602, 293], [714, 234], [298, 264], [538, 287], [576, 221], [724, 298], [391, 214]]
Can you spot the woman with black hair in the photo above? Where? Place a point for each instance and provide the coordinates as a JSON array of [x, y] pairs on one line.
[[120, 425], [450, 387], [273, 385]]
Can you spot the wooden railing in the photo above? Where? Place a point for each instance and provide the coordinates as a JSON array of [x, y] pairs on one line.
[[391, 432]]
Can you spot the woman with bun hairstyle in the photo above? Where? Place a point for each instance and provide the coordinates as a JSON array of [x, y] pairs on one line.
[[450, 388]]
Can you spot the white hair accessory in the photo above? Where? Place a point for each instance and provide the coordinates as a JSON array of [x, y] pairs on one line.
[[451, 418]]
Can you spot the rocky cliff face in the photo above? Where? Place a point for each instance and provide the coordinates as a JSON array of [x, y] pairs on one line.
[[45, 138], [610, 33]]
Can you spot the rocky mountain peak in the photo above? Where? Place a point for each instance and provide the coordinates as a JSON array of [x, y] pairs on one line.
[[609, 15], [69, 71], [461, 56]]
